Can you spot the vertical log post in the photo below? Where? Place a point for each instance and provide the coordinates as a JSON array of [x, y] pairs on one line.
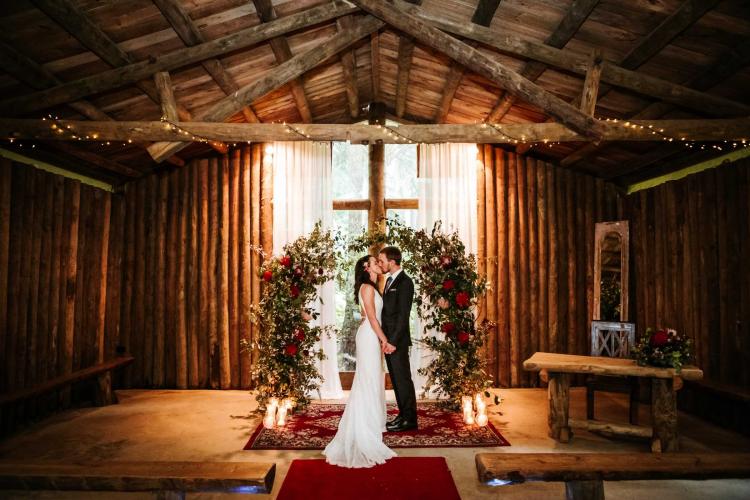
[[377, 174], [664, 414], [559, 402]]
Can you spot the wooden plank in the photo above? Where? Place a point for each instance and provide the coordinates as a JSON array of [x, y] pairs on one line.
[[66, 379], [403, 62], [134, 72], [170, 309], [114, 275], [139, 476], [140, 335], [552, 282], [349, 66], [523, 265], [10, 366], [161, 284], [591, 83], [181, 341], [571, 363], [42, 327], [572, 301], [57, 277], [611, 428], [223, 273], [284, 73], [697, 130], [234, 270], [514, 293], [33, 334], [193, 279], [533, 261], [375, 65], [610, 466], [255, 207], [543, 262], [483, 65], [247, 275], [481, 256], [128, 272], [166, 96], [212, 240], [99, 343], [151, 216], [26, 236], [576, 14]]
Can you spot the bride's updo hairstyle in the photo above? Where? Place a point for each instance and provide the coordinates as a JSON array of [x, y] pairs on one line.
[[362, 276]]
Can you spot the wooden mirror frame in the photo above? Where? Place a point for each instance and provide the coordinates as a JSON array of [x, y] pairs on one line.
[[601, 231]]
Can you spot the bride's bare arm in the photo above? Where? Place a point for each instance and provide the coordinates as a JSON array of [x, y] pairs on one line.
[[368, 297]]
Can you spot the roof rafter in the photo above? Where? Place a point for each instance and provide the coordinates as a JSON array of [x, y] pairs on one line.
[[349, 64], [283, 53], [575, 16], [282, 74], [79, 25], [186, 29], [140, 70], [483, 15], [483, 65], [405, 52]]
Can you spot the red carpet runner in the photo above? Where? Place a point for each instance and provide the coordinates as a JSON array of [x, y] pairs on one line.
[[412, 478], [314, 427]]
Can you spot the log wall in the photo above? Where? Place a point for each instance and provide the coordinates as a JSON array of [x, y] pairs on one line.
[[690, 241], [536, 241], [58, 259], [189, 271]]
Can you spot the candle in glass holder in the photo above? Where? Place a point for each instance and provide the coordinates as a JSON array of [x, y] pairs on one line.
[[273, 402], [482, 419], [281, 416], [268, 421], [469, 418]]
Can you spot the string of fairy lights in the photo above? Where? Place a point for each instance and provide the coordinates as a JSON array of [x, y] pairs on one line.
[[390, 134]]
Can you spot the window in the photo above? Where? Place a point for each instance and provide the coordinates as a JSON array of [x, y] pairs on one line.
[[350, 164]]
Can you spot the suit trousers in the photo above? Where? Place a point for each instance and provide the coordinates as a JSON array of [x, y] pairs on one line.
[[403, 385]]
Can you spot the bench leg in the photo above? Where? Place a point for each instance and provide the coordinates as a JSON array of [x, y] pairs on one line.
[[664, 414], [584, 490], [104, 394], [558, 391]]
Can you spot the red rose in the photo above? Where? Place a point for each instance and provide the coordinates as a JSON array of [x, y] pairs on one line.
[[290, 350], [305, 352], [286, 261], [446, 260], [320, 271], [448, 327], [267, 276], [463, 337], [462, 299], [659, 338], [449, 285], [294, 291], [299, 334], [298, 271]]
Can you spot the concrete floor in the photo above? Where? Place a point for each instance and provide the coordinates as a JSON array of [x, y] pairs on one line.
[[214, 426]]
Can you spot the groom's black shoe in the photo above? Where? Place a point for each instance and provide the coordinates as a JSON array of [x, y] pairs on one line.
[[402, 426], [394, 423]]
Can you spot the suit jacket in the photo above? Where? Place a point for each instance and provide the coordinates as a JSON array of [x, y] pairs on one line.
[[396, 309]]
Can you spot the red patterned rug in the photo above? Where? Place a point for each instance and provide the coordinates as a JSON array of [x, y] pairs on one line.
[[314, 427], [413, 478]]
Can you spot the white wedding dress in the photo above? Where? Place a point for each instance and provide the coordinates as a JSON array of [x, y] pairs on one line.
[[359, 439]]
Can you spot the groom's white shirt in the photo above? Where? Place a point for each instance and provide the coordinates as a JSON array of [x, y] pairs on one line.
[[393, 278]]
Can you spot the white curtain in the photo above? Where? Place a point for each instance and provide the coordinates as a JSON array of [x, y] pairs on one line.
[[301, 197], [447, 192]]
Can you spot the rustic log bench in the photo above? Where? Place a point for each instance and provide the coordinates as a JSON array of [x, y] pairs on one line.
[[584, 473], [102, 372], [165, 479]]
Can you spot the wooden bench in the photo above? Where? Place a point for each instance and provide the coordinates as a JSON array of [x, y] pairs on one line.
[[165, 479], [102, 371], [584, 473]]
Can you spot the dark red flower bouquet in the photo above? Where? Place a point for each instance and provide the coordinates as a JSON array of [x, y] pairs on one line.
[[664, 347]]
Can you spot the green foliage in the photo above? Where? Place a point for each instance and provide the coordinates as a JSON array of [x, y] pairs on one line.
[[610, 299], [448, 289], [286, 366], [665, 348]]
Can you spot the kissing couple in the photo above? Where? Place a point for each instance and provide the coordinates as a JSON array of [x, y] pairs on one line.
[[384, 331]]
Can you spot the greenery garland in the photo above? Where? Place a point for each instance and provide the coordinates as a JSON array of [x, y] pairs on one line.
[[286, 366], [449, 287]]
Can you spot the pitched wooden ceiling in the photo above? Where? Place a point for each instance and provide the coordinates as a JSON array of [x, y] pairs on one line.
[[702, 44]]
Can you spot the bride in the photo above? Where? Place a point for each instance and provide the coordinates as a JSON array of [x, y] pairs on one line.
[[359, 439]]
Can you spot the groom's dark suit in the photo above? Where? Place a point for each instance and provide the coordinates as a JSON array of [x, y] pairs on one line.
[[397, 300]]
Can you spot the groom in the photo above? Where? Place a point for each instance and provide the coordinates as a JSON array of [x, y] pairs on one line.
[[397, 298]]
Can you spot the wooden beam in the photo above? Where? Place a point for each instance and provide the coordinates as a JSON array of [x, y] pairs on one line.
[[575, 16], [591, 84], [405, 52], [349, 66], [575, 63], [166, 96], [351, 204], [483, 65], [131, 73], [283, 53], [37, 77], [186, 29], [284, 73], [94, 159], [693, 130], [483, 15], [75, 22]]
